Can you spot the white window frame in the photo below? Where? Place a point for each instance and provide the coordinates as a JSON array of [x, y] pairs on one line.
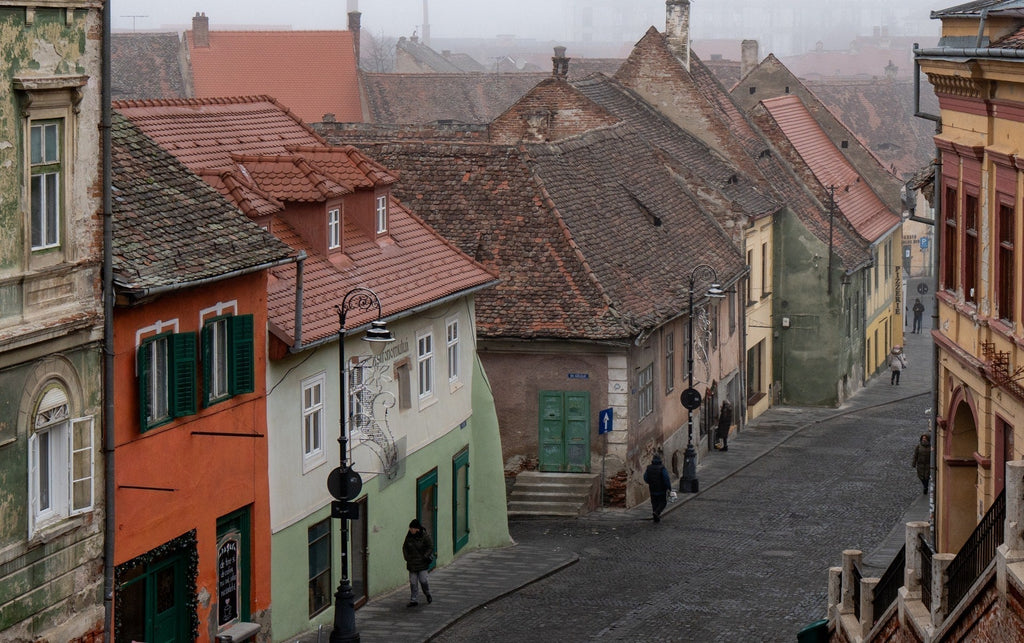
[[333, 228], [47, 215], [220, 386], [314, 449], [162, 391], [70, 462], [382, 214], [454, 350], [425, 363]]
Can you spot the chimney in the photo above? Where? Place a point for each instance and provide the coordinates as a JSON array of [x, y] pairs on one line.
[[354, 26], [426, 25], [748, 57], [677, 29], [200, 30], [560, 64]]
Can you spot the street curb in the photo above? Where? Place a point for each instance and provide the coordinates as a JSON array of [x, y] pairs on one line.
[[461, 615]]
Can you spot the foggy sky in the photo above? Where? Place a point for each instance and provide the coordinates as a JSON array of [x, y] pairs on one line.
[[543, 20]]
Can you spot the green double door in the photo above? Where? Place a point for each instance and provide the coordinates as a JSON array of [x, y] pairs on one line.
[[564, 431]]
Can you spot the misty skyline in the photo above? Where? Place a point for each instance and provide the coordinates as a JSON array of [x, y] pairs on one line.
[[784, 27]]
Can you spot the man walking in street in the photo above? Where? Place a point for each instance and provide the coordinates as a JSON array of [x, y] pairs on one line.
[[656, 477], [918, 315]]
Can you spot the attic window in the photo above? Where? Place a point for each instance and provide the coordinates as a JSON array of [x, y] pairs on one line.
[[787, 89], [753, 90], [765, 153], [653, 218], [844, 144], [382, 214], [733, 180]]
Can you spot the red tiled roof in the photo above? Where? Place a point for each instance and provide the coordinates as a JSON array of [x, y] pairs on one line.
[[311, 72], [204, 133], [854, 197]]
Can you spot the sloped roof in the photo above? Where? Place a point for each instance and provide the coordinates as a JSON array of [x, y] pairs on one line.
[[146, 65], [204, 133], [426, 98], [426, 59], [974, 9], [856, 200], [169, 226], [311, 72], [412, 267], [695, 100]]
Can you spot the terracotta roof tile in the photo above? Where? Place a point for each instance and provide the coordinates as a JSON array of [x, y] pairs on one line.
[[278, 64], [204, 133], [170, 227], [854, 197]]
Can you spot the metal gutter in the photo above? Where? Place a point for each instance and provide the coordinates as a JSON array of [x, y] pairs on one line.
[[917, 90], [397, 316], [141, 293]]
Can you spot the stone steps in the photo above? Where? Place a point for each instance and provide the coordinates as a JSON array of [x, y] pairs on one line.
[[538, 494]]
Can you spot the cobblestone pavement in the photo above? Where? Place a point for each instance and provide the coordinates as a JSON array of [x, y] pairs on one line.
[[744, 560]]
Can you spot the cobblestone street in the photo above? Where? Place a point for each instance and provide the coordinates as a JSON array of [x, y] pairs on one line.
[[746, 560]]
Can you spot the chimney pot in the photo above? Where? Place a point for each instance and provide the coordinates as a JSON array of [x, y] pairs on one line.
[[559, 63], [200, 30]]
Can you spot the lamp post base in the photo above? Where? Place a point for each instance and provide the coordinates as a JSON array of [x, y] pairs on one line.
[[344, 615], [689, 483]]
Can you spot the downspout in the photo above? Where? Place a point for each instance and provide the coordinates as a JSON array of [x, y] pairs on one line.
[[299, 266], [108, 335], [917, 91]]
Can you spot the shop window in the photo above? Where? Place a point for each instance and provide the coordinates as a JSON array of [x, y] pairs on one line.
[[319, 554]]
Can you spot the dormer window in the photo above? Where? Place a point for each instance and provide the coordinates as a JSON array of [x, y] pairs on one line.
[[382, 214], [333, 228]]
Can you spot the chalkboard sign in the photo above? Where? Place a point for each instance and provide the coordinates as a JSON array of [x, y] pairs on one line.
[[227, 580]]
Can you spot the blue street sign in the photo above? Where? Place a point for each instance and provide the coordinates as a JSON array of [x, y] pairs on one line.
[[604, 421], [924, 243]]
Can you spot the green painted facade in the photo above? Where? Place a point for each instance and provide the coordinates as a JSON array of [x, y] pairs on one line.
[[391, 506], [818, 357]]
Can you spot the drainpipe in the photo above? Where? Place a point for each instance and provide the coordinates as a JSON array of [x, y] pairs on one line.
[[917, 91], [108, 337], [299, 266]]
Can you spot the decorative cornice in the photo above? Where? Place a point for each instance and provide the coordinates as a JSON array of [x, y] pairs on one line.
[[954, 85]]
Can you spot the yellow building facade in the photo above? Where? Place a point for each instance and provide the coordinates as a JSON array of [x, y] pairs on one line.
[[759, 338], [978, 74]]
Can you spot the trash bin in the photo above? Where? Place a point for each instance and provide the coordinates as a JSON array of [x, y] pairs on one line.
[[816, 632]]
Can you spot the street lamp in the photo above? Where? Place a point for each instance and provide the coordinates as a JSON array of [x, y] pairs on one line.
[[691, 398], [344, 483]]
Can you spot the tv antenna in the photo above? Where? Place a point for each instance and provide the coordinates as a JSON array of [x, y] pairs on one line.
[[133, 20]]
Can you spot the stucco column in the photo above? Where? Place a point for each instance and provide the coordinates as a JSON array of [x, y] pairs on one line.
[[912, 569], [867, 604], [835, 591], [940, 589], [851, 559]]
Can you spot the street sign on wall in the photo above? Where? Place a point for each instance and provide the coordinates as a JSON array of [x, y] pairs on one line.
[[604, 421]]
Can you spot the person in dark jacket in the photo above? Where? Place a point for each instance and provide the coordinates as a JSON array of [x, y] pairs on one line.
[[724, 423], [918, 314], [922, 460], [656, 477], [418, 550]]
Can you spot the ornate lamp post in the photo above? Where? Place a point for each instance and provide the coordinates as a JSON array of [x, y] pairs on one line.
[[691, 397], [344, 483]]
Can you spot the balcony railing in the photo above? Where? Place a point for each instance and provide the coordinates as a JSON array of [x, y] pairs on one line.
[[889, 584], [856, 591], [976, 554]]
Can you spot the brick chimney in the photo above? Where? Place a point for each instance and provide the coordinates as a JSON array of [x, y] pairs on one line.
[[559, 64], [200, 30], [677, 29], [748, 57], [354, 26]]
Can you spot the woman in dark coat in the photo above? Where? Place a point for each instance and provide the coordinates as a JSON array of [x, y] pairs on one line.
[[656, 477], [418, 551], [922, 460], [724, 423]]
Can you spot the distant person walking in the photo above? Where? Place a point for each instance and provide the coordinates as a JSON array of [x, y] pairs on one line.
[[918, 315], [724, 424], [656, 477], [418, 550], [897, 362], [922, 460]]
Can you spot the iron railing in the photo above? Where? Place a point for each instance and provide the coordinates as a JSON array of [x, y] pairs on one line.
[[924, 548], [889, 584], [976, 554], [856, 591]]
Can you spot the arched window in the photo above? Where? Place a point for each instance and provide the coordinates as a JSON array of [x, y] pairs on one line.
[[60, 460]]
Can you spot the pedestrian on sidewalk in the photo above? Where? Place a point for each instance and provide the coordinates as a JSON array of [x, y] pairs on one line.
[[922, 460], [918, 314], [897, 362], [724, 424], [418, 550], [656, 477]]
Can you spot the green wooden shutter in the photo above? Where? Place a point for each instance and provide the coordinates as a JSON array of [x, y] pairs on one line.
[[143, 367], [242, 371], [183, 374], [207, 348]]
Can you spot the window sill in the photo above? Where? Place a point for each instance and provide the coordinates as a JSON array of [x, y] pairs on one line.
[[427, 402], [308, 466], [455, 387], [55, 529]]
